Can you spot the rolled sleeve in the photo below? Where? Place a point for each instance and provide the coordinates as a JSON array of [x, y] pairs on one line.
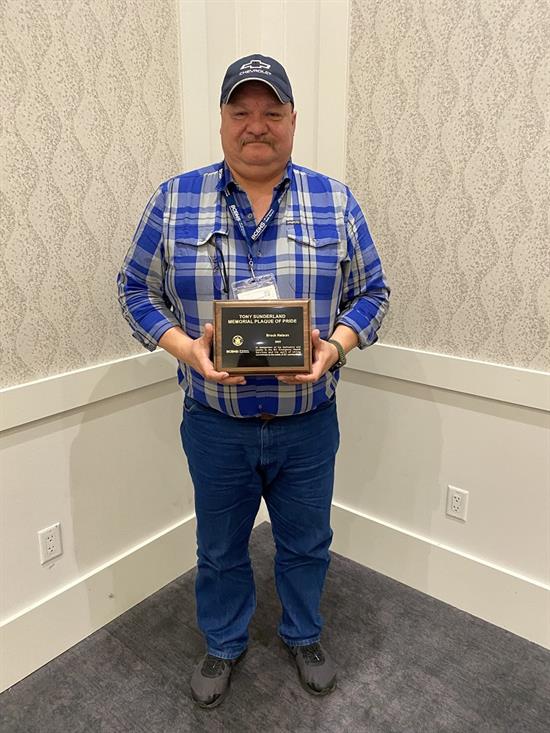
[[365, 297], [140, 281]]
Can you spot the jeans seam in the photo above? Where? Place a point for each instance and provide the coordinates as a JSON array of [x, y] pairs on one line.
[[301, 643], [226, 655]]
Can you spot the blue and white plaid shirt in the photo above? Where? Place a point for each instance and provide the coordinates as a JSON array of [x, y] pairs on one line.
[[318, 246]]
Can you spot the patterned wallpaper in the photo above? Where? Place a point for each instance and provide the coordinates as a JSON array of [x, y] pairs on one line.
[[448, 140], [90, 125]]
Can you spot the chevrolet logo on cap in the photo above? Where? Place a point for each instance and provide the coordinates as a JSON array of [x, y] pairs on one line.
[[256, 64]]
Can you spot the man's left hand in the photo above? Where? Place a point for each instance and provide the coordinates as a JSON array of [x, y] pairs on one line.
[[324, 356]]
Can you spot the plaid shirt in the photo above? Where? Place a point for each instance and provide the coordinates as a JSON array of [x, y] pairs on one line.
[[318, 246]]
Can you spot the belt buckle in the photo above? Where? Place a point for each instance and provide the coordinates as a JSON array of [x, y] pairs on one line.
[[266, 416]]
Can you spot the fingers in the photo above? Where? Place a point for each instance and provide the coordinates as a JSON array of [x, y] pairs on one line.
[[322, 359], [313, 376], [287, 380], [223, 377], [208, 334], [233, 380], [204, 364]]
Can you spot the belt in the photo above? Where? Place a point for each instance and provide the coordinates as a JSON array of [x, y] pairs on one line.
[[266, 416]]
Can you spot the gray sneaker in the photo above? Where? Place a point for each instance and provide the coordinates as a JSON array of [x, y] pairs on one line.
[[210, 679], [316, 669]]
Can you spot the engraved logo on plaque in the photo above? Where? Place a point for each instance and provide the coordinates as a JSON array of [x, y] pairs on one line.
[[237, 340]]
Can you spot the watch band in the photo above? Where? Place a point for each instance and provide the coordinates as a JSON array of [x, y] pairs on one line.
[[341, 355]]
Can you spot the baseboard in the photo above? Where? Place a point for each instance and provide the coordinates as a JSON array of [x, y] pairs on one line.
[[511, 601], [74, 612], [519, 604], [93, 600]]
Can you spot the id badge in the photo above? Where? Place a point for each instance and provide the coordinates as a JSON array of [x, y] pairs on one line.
[[263, 287]]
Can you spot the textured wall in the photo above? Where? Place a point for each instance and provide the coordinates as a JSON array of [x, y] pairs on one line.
[[91, 125], [449, 106]]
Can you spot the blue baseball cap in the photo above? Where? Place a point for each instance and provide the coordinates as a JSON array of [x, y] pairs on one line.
[[257, 68]]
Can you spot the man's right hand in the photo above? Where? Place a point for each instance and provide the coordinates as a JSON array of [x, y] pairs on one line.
[[197, 355]]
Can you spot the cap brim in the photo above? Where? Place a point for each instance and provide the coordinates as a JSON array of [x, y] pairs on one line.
[[283, 99]]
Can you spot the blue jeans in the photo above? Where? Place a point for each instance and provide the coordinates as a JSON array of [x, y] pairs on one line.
[[233, 463]]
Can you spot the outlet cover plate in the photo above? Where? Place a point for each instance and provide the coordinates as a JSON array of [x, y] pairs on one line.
[[457, 502], [50, 543]]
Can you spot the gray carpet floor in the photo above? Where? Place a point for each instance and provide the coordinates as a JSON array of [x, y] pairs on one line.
[[407, 664]]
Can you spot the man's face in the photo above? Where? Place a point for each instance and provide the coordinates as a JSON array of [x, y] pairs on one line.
[[256, 129]]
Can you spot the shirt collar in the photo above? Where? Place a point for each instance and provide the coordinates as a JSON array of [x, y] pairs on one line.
[[227, 182]]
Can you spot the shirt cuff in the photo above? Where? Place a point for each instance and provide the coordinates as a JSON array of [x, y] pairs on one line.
[[366, 336], [150, 340]]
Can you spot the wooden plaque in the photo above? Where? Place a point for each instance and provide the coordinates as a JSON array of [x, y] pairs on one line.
[[262, 336]]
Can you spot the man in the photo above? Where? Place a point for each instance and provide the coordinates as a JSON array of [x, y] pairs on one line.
[[256, 214]]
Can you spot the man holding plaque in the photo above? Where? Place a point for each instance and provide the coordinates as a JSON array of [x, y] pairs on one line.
[[286, 255]]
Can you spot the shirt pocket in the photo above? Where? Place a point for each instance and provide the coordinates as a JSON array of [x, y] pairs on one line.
[[314, 258], [193, 265]]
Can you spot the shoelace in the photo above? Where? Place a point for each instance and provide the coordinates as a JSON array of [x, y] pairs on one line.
[[213, 666], [312, 654]]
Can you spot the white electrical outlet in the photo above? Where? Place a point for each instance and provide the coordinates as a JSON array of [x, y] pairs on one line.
[[50, 543], [457, 502]]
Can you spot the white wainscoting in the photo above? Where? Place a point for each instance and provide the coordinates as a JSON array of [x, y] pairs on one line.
[[98, 450], [40, 632], [413, 423], [69, 447]]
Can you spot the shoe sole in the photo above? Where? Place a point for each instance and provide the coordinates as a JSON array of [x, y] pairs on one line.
[[307, 688], [221, 698]]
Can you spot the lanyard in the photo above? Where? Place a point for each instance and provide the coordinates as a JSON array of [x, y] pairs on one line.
[[251, 239]]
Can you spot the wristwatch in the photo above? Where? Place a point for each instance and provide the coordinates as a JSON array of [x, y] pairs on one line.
[[341, 355]]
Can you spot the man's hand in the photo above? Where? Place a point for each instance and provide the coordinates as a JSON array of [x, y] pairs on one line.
[[324, 356], [198, 357]]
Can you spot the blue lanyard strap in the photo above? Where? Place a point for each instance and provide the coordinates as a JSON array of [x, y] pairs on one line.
[[262, 226]]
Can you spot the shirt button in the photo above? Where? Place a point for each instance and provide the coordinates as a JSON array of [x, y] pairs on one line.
[[250, 216]]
